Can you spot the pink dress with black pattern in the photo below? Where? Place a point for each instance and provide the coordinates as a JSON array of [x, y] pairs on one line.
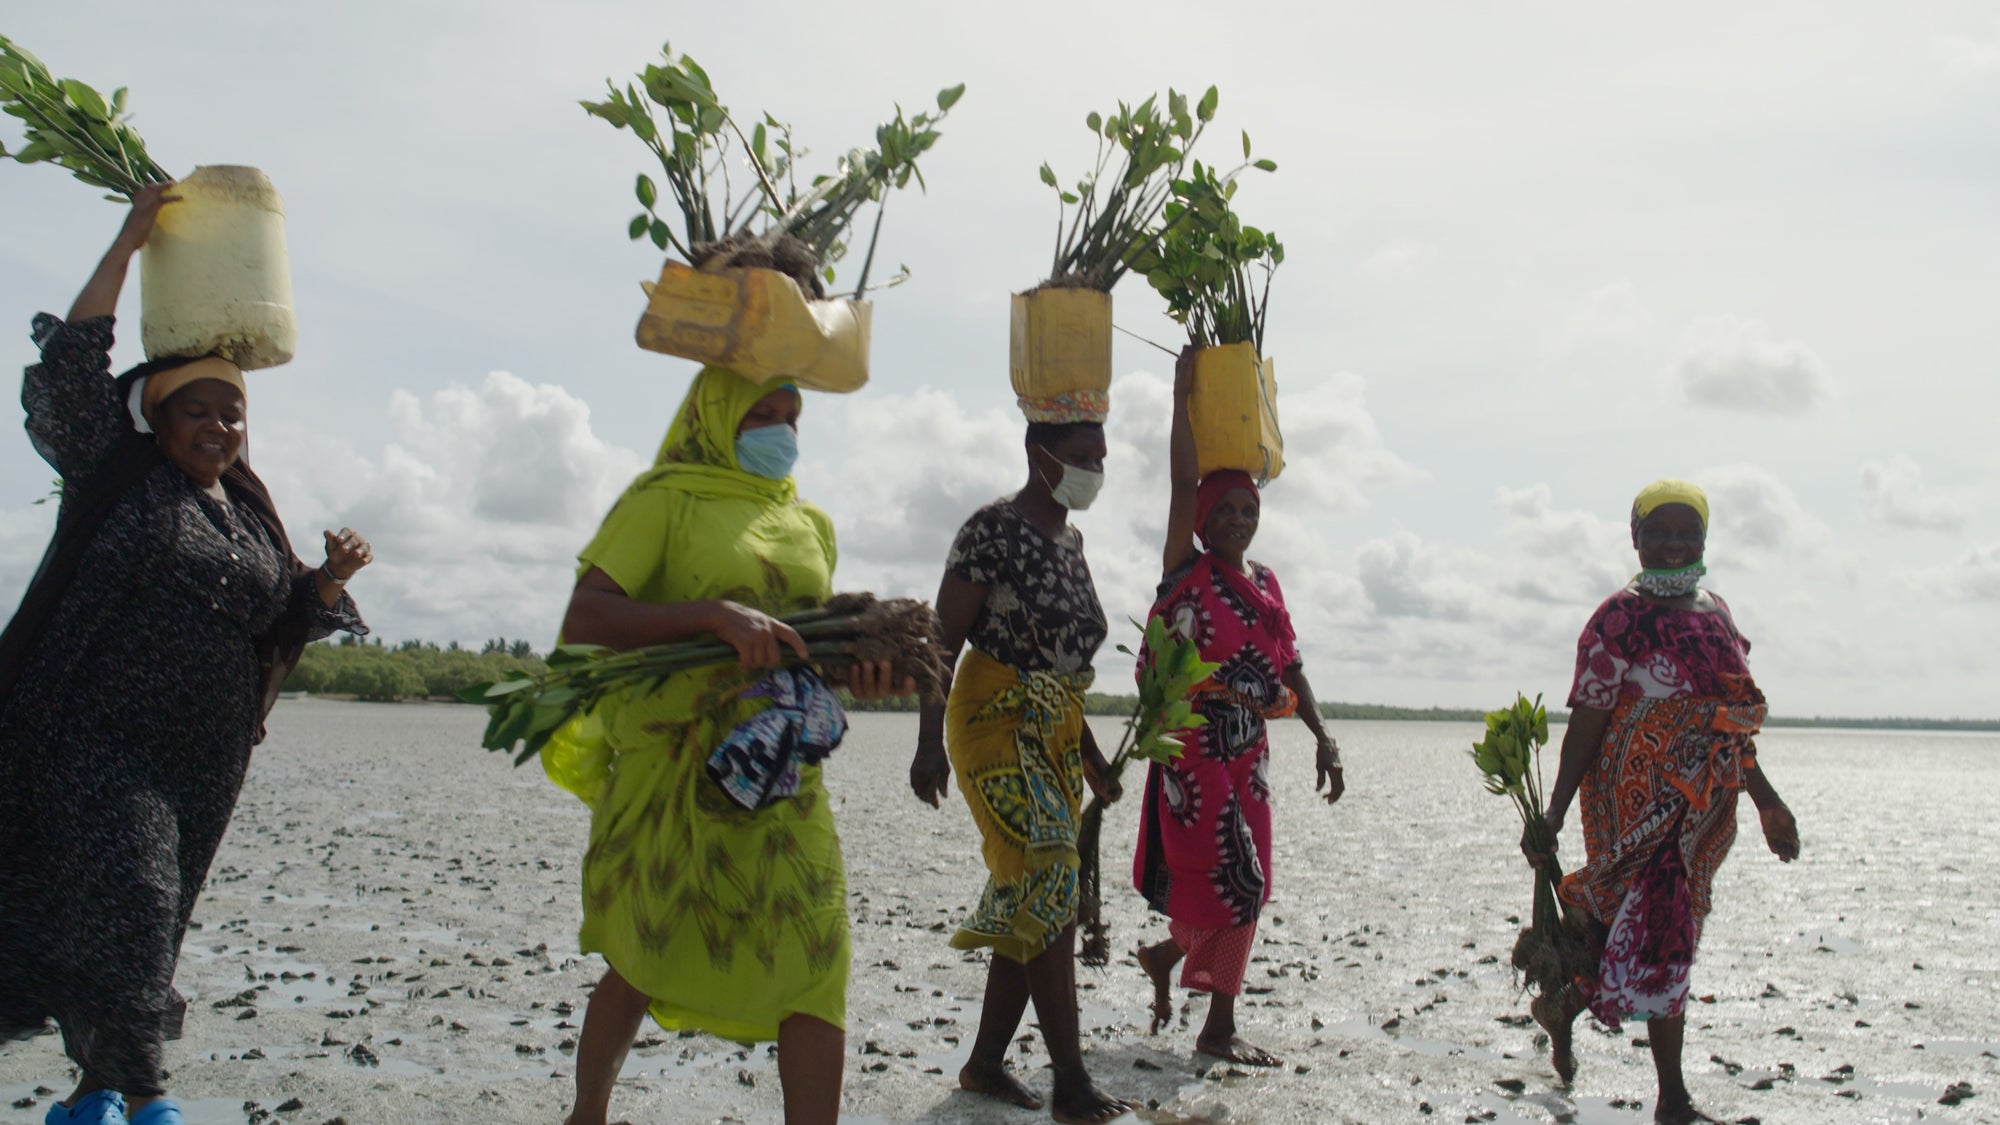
[[1204, 856]]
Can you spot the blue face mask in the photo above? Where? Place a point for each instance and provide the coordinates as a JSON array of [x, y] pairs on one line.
[[768, 451]]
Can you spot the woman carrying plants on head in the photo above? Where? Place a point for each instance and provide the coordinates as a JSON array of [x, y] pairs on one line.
[[1204, 855], [1017, 590], [1662, 716], [134, 681], [713, 916]]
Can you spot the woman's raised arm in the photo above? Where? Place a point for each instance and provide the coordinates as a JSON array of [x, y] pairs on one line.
[[1185, 471], [100, 293]]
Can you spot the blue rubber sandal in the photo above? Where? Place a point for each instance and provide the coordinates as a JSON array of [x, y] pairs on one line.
[[159, 1111], [99, 1107]]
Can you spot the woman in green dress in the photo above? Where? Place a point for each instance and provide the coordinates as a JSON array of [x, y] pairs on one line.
[[712, 916]]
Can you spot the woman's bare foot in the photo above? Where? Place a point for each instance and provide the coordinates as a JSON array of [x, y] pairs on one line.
[[1233, 1049], [1680, 1112], [1158, 966], [996, 1081], [1078, 1101], [1558, 1020]]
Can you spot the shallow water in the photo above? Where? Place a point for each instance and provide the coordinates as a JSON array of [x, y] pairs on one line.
[[429, 889]]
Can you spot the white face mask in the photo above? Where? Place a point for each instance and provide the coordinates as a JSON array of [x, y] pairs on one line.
[[1077, 488]]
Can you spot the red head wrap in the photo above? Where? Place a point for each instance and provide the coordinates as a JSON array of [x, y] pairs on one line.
[[1213, 487]]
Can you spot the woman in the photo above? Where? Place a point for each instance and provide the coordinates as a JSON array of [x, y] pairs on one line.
[[1017, 589], [134, 680], [714, 916], [1204, 856], [1662, 715]]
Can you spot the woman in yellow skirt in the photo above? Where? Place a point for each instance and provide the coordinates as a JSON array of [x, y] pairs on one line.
[[712, 916], [1018, 596]]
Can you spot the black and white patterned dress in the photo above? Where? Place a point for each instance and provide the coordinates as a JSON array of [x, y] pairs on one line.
[[125, 740], [1042, 612]]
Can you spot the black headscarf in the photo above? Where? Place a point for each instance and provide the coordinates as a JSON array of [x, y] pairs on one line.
[[84, 509]]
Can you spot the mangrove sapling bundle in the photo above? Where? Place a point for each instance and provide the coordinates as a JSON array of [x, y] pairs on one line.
[[1170, 668], [1114, 209], [848, 629], [71, 125], [767, 220], [1204, 259], [1553, 951]]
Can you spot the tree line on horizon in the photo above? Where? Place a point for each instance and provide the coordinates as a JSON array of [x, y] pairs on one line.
[[412, 669]]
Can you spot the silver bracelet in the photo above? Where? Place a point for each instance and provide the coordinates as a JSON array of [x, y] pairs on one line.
[[329, 576]]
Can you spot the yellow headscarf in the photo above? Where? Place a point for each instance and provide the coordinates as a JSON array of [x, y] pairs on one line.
[[1669, 491], [699, 453]]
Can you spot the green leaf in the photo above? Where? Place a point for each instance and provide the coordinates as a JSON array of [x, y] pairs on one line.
[[660, 233], [1095, 123], [1205, 111], [646, 192], [1049, 176], [949, 96], [1266, 165], [636, 230], [1246, 144]]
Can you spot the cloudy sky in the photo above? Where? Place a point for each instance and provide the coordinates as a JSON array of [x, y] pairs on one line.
[[1539, 254]]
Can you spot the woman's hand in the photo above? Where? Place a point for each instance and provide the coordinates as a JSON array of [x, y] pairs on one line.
[[1184, 371], [758, 638], [145, 212], [1097, 775], [1330, 775], [1781, 831], [346, 553], [930, 772], [100, 294], [1538, 858], [874, 680]]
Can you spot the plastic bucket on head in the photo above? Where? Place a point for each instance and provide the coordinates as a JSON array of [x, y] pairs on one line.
[[1060, 342], [758, 323], [214, 278], [1233, 408]]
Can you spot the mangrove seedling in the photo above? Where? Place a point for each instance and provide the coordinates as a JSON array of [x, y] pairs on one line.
[[1205, 260], [767, 220], [71, 125], [1108, 217]]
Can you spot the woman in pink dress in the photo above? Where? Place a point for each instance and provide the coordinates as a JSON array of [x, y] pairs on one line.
[[1204, 856]]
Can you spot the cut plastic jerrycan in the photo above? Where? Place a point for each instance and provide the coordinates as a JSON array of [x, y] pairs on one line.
[[1061, 342], [759, 324], [1233, 408], [214, 278]]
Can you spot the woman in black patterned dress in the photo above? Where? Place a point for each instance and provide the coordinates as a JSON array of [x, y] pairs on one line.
[[134, 680], [1017, 590]]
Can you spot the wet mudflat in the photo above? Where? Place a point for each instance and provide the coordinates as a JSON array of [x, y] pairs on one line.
[[389, 936]]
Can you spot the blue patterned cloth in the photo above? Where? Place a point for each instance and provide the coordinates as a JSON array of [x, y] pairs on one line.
[[758, 762]]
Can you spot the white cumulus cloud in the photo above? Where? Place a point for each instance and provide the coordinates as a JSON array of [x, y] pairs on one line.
[[1893, 491], [476, 506], [1733, 363], [1971, 577]]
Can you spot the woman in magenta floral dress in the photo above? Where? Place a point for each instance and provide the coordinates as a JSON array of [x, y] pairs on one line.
[[1659, 743], [1204, 856]]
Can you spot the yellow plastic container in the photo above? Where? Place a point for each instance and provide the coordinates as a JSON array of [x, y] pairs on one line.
[[1233, 407], [214, 278], [1061, 342], [759, 324]]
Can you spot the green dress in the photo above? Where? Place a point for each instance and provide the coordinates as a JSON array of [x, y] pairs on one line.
[[729, 920]]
